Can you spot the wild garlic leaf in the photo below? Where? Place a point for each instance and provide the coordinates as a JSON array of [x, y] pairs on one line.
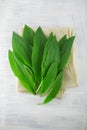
[[37, 52], [47, 44], [55, 88], [22, 52], [28, 35], [46, 47], [65, 51], [51, 53], [39, 61], [62, 40], [21, 73], [49, 78]]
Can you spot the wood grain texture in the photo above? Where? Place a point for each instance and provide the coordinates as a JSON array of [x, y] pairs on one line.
[[20, 111]]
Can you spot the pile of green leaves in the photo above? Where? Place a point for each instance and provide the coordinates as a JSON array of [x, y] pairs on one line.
[[39, 61]]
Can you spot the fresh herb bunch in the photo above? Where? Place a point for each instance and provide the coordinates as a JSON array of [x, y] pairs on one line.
[[39, 61]]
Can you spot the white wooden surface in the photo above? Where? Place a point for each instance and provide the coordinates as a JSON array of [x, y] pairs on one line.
[[20, 111]]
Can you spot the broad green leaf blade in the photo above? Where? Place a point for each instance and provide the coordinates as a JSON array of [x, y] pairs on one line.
[[51, 54], [49, 78], [21, 49], [45, 55], [47, 44], [50, 70], [21, 73], [37, 53], [65, 50], [28, 35], [62, 40], [55, 88]]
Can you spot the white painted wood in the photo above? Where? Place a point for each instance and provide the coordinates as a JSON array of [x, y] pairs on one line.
[[20, 111]]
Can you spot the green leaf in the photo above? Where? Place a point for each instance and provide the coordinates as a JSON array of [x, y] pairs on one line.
[[37, 53], [48, 42], [38, 62], [55, 88], [51, 54], [22, 73], [49, 78], [21, 49], [43, 71], [28, 35], [65, 50], [62, 40], [50, 65]]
